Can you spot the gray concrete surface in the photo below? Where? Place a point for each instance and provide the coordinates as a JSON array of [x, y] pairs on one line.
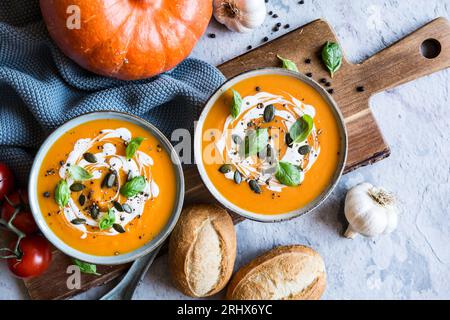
[[413, 262]]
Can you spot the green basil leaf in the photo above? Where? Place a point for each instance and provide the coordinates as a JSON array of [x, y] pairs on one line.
[[332, 57], [85, 267], [288, 174], [133, 146], [133, 187], [301, 129], [107, 221], [79, 174], [236, 104], [288, 64], [256, 141], [62, 193]]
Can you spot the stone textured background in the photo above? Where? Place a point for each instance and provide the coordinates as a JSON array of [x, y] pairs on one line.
[[413, 262]]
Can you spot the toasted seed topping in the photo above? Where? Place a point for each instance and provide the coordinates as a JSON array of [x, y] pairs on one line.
[[78, 221], [226, 168], [127, 208], [118, 228], [254, 186], [118, 206], [82, 199], [89, 157], [269, 113], [237, 177], [77, 187]]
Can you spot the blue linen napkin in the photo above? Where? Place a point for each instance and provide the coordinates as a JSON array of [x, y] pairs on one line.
[[40, 88]]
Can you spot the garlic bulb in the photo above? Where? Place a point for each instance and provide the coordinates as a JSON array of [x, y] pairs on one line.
[[370, 211], [240, 15]]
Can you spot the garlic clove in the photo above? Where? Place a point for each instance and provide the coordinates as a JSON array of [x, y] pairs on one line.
[[240, 15], [370, 211]]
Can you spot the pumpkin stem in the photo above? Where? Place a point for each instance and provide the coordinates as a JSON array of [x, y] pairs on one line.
[[382, 197]]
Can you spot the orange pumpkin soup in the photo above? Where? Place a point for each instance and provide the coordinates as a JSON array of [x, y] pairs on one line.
[[107, 187], [271, 144]]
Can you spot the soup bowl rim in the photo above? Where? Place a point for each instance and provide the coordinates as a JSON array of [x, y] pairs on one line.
[[146, 248], [263, 217]]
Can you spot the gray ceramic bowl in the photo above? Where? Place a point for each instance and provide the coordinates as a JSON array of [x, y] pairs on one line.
[[105, 260], [288, 215]]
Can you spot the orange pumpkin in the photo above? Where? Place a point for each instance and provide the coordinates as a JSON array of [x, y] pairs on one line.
[[126, 39]]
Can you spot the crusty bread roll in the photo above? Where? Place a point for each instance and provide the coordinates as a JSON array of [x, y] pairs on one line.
[[202, 250], [284, 273]]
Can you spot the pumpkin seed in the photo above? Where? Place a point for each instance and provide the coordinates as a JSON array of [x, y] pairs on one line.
[[89, 157], [237, 177], [110, 180], [105, 180], [118, 228], [269, 113], [226, 168], [254, 186], [78, 221], [77, 187], [236, 139], [118, 206], [127, 208], [82, 199], [304, 150], [270, 151], [94, 212], [288, 140]]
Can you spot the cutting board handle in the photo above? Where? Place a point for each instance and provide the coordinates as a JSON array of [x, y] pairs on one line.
[[406, 60]]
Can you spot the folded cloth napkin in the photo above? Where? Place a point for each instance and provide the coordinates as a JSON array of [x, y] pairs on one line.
[[40, 88]]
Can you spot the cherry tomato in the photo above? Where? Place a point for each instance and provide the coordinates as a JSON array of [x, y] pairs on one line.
[[6, 180], [24, 220], [35, 260]]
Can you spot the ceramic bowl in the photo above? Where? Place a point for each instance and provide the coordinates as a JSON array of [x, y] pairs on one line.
[[288, 215], [105, 260]]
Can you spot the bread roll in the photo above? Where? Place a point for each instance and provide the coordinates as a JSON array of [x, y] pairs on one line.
[[285, 273], [202, 250]]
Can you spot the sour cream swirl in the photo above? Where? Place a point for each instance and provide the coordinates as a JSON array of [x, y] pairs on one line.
[[287, 110], [108, 159]]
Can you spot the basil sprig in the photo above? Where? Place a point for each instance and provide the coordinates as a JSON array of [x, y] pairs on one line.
[[236, 104], [288, 174], [62, 193], [301, 129], [133, 187], [332, 57], [79, 173], [85, 267], [255, 141], [107, 221], [133, 146], [288, 64]]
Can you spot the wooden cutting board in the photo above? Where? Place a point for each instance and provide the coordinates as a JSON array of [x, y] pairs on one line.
[[402, 62]]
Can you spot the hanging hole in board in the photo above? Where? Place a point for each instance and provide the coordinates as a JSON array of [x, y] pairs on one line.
[[431, 48]]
